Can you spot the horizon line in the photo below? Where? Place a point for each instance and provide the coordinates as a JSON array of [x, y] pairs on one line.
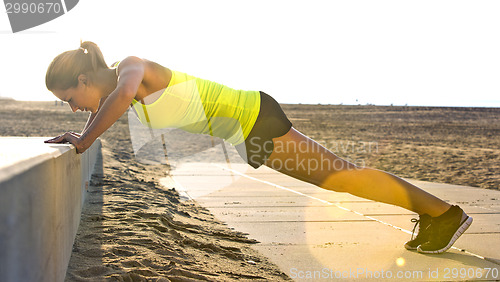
[[326, 104]]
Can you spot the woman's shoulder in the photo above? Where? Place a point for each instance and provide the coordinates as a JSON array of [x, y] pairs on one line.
[[127, 61], [154, 74], [133, 60]]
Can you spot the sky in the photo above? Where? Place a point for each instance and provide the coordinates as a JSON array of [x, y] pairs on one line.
[[421, 53]]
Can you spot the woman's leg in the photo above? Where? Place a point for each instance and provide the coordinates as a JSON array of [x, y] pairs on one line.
[[299, 156]]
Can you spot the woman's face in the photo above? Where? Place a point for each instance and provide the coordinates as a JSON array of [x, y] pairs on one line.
[[83, 97]]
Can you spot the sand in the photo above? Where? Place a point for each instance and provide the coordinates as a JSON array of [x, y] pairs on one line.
[[134, 229]]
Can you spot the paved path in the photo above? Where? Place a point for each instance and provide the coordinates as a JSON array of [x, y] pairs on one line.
[[315, 234]]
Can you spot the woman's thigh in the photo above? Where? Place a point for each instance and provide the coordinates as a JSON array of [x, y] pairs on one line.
[[299, 156]]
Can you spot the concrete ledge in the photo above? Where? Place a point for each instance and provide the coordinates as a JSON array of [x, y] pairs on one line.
[[42, 190]]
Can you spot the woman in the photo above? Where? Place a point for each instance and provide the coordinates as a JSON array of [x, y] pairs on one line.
[[252, 121]]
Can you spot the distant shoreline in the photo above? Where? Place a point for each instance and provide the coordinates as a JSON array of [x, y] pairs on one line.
[[313, 105]]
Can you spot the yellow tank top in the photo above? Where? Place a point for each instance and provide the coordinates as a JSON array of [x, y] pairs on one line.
[[201, 106]]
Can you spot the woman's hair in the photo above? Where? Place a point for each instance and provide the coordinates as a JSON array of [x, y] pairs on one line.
[[64, 70]]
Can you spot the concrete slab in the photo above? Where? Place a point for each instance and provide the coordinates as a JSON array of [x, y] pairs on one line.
[[284, 214], [362, 262], [484, 243], [42, 189], [262, 202], [316, 234], [19, 154]]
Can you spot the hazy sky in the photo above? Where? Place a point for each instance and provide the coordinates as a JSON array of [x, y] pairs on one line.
[[441, 53]]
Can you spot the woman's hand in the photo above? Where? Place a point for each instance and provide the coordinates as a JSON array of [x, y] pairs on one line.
[[70, 137]]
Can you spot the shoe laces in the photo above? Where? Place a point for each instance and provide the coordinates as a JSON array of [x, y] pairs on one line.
[[417, 222]]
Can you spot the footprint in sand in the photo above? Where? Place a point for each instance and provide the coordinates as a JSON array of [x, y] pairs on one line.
[[97, 253], [124, 251], [132, 263], [157, 226], [141, 242], [126, 233], [119, 209], [147, 215]]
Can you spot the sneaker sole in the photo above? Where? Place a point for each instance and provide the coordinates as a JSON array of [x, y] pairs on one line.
[[410, 248], [454, 238]]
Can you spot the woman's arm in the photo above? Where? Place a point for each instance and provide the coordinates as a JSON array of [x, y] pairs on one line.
[[93, 115], [89, 121], [130, 75]]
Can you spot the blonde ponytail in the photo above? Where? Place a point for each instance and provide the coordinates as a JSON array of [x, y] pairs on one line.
[[64, 70], [94, 52]]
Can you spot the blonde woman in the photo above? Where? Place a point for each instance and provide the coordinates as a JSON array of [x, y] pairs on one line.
[[250, 120]]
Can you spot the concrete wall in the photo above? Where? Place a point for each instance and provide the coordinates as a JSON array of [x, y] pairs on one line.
[[42, 190]]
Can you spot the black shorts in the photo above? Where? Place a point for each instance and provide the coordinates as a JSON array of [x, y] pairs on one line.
[[270, 123]]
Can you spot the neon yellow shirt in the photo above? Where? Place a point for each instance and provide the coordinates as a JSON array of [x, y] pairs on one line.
[[201, 106]]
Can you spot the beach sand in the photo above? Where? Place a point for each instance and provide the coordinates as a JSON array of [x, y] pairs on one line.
[[134, 229]]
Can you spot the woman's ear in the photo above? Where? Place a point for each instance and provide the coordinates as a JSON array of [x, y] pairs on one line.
[[83, 79]]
